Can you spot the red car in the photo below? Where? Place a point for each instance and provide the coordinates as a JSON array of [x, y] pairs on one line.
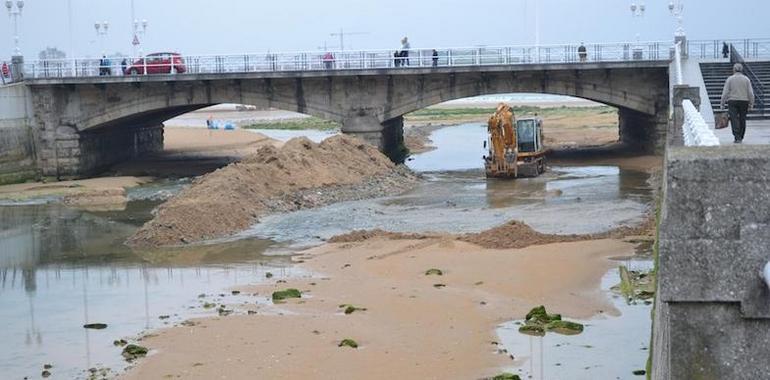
[[157, 63]]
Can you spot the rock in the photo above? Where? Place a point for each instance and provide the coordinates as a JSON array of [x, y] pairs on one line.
[[47, 366], [639, 372], [565, 327], [285, 294], [540, 315], [164, 317], [119, 343], [348, 343], [350, 309], [506, 376], [439, 286], [534, 330], [209, 305], [236, 292], [45, 374], [95, 326], [132, 352], [268, 275], [434, 272]]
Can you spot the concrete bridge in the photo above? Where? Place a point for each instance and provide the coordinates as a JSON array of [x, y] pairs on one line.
[[81, 123]]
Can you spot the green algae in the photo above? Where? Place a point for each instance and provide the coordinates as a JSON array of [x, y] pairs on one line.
[[348, 343], [286, 294]]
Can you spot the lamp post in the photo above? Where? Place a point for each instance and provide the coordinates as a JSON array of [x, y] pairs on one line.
[[101, 33], [637, 11], [140, 28], [14, 13], [677, 10]]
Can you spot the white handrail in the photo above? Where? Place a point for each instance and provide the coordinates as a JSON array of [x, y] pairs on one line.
[[695, 130], [678, 63], [359, 60]]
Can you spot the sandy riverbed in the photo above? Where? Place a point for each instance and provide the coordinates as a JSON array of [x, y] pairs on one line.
[[410, 330]]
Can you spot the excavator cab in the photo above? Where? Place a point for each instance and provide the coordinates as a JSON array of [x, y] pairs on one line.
[[529, 133]]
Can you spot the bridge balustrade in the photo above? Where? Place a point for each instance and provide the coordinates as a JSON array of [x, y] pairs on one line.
[[367, 60]]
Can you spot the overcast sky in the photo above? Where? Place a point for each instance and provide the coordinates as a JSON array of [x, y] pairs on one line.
[[253, 26]]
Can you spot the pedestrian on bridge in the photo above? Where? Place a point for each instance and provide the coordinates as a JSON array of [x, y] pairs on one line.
[[405, 51], [328, 59], [739, 96], [725, 50], [583, 52], [435, 58]]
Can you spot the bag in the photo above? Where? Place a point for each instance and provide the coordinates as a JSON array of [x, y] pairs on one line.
[[721, 120]]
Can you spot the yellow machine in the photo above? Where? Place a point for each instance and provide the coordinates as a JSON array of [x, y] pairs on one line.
[[515, 146]]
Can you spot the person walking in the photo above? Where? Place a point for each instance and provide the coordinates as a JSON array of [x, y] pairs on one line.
[[739, 96], [435, 58], [328, 59], [583, 52], [725, 50], [123, 66], [405, 46]]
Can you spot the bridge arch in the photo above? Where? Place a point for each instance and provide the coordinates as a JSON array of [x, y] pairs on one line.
[[81, 120]]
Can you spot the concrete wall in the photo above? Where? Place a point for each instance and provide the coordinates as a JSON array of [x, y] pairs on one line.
[[712, 316], [369, 104], [17, 148]]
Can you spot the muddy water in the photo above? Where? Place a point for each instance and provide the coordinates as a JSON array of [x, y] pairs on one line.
[[61, 268]]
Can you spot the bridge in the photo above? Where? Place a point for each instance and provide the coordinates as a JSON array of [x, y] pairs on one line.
[[83, 122]]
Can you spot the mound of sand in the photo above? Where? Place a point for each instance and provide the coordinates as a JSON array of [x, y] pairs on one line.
[[511, 235], [514, 235], [363, 235], [299, 174]]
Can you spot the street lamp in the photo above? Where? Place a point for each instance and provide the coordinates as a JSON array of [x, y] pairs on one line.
[[140, 28], [101, 33], [14, 13], [638, 11], [677, 10]]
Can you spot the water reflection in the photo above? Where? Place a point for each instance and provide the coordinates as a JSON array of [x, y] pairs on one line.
[[62, 268], [609, 348]]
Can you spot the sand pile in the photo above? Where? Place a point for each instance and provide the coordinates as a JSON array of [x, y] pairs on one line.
[[363, 235], [300, 174], [108, 199], [512, 235]]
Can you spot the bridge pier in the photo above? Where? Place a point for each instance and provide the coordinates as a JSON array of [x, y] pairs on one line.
[[388, 136], [68, 153], [643, 132]]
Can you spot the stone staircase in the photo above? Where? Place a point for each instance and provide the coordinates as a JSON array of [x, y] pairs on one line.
[[715, 74]]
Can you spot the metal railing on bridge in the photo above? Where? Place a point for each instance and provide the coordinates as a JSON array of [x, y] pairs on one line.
[[165, 63], [751, 49]]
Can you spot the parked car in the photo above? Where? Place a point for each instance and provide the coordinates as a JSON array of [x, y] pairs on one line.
[[157, 63]]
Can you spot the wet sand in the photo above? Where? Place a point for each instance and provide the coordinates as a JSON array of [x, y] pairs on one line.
[[410, 330]]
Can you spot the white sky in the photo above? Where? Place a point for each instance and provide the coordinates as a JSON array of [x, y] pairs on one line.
[[254, 26]]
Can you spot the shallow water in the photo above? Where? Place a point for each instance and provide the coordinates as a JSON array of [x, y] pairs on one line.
[[61, 268], [609, 347], [457, 197]]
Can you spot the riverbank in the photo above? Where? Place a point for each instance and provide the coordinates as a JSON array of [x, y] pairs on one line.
[[415, 326], [565, 127]]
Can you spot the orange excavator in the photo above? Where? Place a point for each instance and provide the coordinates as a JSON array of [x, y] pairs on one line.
[[515, 146]]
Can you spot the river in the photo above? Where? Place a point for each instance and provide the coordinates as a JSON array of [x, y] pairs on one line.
[[61, 268]]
